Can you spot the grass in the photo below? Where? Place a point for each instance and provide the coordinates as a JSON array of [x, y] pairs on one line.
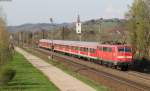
[[27, 77], [67, 70]]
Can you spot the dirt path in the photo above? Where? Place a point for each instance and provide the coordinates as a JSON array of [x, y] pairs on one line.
[[62, 80]]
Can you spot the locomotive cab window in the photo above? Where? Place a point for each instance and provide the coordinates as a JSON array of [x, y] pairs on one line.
[[107, 49], [124, 49]]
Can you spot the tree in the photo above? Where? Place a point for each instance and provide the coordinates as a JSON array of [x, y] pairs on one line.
[[5, 54], [147, 2], [139, 28], [6, 73]]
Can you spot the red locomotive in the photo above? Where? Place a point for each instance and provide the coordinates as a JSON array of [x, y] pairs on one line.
[[110, 55]]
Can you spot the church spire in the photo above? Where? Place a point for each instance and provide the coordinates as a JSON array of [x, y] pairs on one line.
[[78, 19]]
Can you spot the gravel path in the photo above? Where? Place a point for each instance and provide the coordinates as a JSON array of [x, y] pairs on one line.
[[62, 80]]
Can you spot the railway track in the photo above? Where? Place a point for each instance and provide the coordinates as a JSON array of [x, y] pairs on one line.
[[141, 75], [116, 80]]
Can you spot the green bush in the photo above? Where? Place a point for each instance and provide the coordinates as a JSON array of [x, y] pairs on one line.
[[6, 75]]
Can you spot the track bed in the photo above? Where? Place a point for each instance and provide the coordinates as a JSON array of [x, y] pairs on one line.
[[116, 80]]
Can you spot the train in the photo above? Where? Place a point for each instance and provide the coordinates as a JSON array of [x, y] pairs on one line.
[[112, 55]]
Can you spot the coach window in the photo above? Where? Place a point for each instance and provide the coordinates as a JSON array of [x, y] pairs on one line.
[[76, 48], [66, 47], [109, 49], [105, 49], [81, 49], [72, 47], [86, 49], [100, 48], [92, 50]]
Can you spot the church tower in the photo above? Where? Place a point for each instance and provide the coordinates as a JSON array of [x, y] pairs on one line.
[[78, 25]]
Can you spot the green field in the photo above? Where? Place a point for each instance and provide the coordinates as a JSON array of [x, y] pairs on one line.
[[27, 77]]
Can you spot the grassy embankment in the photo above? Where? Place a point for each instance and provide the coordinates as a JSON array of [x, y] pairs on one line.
[[61, 66], [27, 77]]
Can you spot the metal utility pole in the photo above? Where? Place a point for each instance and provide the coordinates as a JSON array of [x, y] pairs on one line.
[[20, 39], [12, 44], [63, 32], [52, 46], [43, 33], [100, 30]]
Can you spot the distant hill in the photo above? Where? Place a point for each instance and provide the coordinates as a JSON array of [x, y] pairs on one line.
[[90, 24], [34, 27]]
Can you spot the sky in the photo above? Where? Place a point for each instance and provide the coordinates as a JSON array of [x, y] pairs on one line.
[[39, 11]]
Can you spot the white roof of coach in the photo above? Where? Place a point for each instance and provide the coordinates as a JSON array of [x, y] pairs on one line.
[[77, 43], [72, 43]]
